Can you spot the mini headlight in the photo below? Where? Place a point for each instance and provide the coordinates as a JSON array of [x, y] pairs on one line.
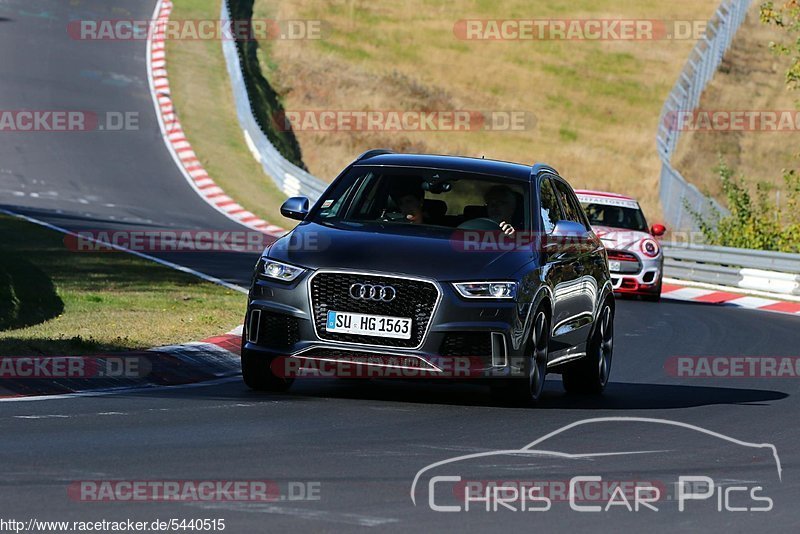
[[487, 290], [279, 271], [649, 248]]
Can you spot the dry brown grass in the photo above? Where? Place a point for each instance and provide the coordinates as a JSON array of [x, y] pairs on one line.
[[596, 103], [750, 78]]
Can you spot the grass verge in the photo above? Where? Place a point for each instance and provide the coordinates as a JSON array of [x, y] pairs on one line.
[[57, 302]]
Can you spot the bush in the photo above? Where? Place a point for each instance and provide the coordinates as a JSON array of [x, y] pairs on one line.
[[755, 221]]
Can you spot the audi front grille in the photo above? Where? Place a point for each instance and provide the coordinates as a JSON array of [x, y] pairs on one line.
[[414, 299]]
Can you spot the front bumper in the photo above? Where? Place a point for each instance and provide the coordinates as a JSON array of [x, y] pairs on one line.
[[645, 281], [464, 338]]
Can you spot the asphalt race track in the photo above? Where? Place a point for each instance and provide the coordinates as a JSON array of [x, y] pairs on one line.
[[93, 180], [351, 449]]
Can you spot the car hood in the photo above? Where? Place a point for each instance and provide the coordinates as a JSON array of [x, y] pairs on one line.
[[620, 238], [434, 254]]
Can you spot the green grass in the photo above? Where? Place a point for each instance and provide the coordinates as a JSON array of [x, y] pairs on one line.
[[54, 301]]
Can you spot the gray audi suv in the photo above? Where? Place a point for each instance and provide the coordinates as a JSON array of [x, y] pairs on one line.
[[435, 266]]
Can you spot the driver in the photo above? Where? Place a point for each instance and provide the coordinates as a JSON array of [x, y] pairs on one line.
[[410, 204], [501, 203]]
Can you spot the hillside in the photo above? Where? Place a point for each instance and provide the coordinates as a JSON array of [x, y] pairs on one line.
[[592, 106], [751, 78]]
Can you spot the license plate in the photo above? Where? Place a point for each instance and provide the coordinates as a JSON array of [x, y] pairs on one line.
[[614, 266], [362, 324]]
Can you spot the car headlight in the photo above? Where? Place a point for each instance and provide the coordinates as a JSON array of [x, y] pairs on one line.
[[487, 290], [276, 270], [649, 248]]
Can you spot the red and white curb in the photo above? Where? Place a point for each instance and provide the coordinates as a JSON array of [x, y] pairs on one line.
[[175, 138], [720, 296], [212, 361]]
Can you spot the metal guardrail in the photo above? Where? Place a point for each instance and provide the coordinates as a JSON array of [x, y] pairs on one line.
[[774, 272], [290, 178], [703, 61]]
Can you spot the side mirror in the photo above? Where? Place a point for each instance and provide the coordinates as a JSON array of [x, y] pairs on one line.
[[295, 208], [658, 230], [570, 229]]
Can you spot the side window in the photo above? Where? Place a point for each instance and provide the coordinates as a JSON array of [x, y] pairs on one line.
[[549, 208], [572, 209]]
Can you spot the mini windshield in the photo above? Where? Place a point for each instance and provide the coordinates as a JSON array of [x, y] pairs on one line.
[[615, 216], [426, 198]]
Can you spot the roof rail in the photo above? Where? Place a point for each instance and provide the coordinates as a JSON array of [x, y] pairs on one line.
[[542, 167], [374, 152]]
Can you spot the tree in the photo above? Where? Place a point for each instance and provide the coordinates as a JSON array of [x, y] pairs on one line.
[[786, 17]]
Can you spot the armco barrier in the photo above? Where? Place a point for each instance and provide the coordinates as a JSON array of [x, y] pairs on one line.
[[675, 192], [290, 178], [774, 272]]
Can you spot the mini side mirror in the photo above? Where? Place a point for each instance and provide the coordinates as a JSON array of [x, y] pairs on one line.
[[658, 230]]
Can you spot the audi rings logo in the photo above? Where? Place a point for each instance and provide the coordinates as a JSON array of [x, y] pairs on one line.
[[373, 292]]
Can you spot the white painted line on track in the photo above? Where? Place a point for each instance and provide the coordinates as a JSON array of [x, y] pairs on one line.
[[118, 391], [171, 265]]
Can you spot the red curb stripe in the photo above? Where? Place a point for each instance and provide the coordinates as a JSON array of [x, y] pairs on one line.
[[718, 297], [785, 307], [666, 288]]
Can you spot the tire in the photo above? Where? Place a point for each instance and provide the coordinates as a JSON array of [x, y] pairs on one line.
[[257, 373], [528, 390], [589, 375], [656, 296]]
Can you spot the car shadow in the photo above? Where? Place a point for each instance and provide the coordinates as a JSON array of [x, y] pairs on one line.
[[618, 396]]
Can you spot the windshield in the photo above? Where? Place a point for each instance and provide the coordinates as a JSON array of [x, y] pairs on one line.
[[615, 216], [425, 198]]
